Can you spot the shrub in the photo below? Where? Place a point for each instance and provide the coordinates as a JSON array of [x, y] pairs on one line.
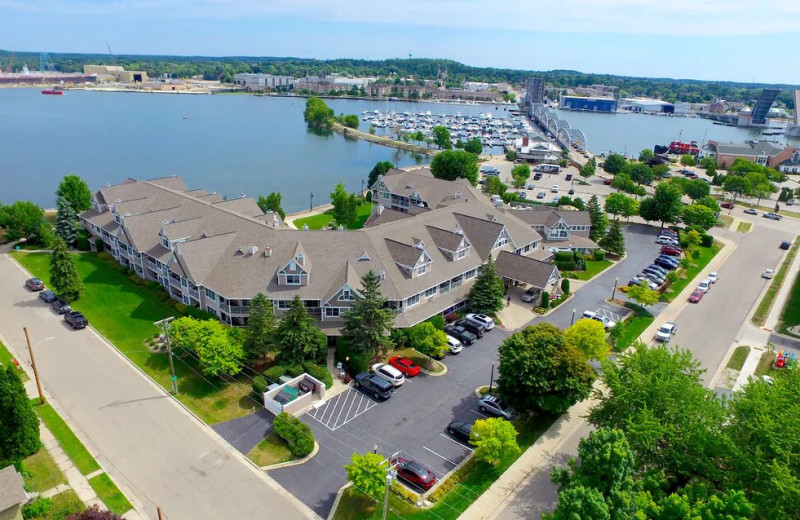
[[599, 254], [358, 362], [260, 385], [181, 307], [99, 245], [450, 318], [319, 372], [404, 493], [437, 321], [273, 374], [567, 265], [545, 300], [399, 337], [707, 240], [200, 314], [565, 285], [564, 256], [36, 509], [295, 432], [82, 241]]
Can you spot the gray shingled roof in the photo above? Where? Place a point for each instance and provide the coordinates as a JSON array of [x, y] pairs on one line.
[[747, 148], [524, 269], [448, 240], [404, 254], [12, 488], [436, 192]]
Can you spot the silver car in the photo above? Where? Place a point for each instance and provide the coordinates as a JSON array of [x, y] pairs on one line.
[[388, 373], [492, 405]]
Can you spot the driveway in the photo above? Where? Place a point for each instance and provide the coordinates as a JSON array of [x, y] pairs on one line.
[[245, 432]]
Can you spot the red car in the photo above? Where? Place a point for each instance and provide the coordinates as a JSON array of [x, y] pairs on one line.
[[608, 182], [671, 250], [414, 473], [405, 366], [726, 205], [695, 297]]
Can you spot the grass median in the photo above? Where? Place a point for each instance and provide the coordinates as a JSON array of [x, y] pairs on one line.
[[110, 494], [593, 268], [6, 359], [71, 445], [271, 450], [762, 311], [739, 356]]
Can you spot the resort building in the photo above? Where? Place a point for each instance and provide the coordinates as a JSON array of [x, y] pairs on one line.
[[760, 152], [560, 229]]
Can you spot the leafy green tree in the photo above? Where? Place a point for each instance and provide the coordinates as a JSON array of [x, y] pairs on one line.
[[696, 189], [211, 341], [351, 121], [22, 219], [666, 205], [19, 427], [428, 340], [643, 295], [588, 169], [367, 472], [709, 163], [659, 170], [259, 335], [317, 114], [419, 136], [640, 173], [763, 190], [588, 336], [619, 204], [598, 219], [369, 321], [271, 202], [296, 337], [345, 206], [454, 164], [577, 502], [66, 219], [495, 439], [441, 136], [737, 185], [520, 174], [540, 371], [486, 294], [494, 186], [474, 145], [76, 191], [379, 169], [688, 160], [614, 163], [699, 215], [614, 241], [646, 155], [709, 202], [63, 273]]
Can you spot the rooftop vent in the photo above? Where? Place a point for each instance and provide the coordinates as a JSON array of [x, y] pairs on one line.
[[457, 195], [267, 251], [408, 186], [382, 275], [275, 221], [364, 256], [118, 201], [252, 249]]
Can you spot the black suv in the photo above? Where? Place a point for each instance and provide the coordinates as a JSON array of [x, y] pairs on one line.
[[374, 385], [49, 296], [478, 330], [60, 306], [461, 334], [460, 430], [76, 320]]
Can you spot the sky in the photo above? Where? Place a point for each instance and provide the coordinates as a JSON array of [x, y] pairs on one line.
[[718, 40]]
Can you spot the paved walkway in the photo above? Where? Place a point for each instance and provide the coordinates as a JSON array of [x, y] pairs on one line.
[[783, 294], [748, 368]]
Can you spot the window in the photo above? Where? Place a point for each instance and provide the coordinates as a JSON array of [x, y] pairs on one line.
[[501, 240], [412, 301], [444, 287], [211, 294], [471, 274], [461, 253], [332, 312], [211, 310], [386, 195], [456, 282], [283, 304], [184, 283], [430, 292], [165, 242], [292, 279], [118, 219], [422, 269], [347, 295], [527, 248]]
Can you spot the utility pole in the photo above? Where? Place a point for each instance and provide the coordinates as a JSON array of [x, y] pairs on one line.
[[164, 324], [158, 510], [33, 365], [311, 203], [391, 473]]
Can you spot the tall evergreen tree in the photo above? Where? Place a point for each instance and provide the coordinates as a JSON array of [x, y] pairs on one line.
[[614, 241], [486, 294], [19, 427], [297, 338], [598, 219], [261, 325], [66, 219], [63, 274], [368, 322]]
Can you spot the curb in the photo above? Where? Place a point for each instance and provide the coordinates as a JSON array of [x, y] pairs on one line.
[[337, 499], [434, 374], [291, 463]]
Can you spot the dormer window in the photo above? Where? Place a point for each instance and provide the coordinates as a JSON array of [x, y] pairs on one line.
[[292, 279], [502, 239], [422, 269], [165, 242], [461, 253], [117, 218], [347, 295]]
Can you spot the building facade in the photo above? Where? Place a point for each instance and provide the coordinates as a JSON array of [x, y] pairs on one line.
[[258, 82], [759, 152], [534, 90], [588, 104]]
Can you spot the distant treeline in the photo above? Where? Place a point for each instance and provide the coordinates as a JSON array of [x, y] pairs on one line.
[[210, 68]]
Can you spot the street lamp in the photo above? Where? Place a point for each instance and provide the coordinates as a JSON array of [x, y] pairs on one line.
[[491, 379], [311, 203], [573, 317], [614, 292], [363, 182]]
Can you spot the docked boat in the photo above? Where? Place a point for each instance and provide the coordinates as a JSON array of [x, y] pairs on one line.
[[683, 148], [52, 92]]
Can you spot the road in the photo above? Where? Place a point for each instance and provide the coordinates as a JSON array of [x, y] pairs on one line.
[[152, 447]]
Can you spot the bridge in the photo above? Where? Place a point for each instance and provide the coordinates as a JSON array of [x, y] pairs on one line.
[[557, 128], [764, 103]]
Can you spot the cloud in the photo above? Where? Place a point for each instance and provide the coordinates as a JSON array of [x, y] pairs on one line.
[[640, 17]]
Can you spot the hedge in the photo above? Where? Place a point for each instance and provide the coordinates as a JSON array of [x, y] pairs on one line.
[[358, 362], [565, 285], [295, 432], [564, 256], [82, 240], [707, 240], [599, 254], [437, 321], [567, 265], [274, 373], [319, 372], [545, 300], [260, 385]]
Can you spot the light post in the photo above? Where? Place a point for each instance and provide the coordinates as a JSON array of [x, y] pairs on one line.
[[391, 473], [491, 379], [614, 292], [164, 324], [573, 317], [311, 203], [363, 182]]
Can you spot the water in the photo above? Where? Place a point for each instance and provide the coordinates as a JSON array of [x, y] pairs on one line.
[[635, 132], [231, 144]]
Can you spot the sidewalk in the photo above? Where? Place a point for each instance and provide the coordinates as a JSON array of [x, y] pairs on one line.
[[783, 294], [748, 368], [289, 220]]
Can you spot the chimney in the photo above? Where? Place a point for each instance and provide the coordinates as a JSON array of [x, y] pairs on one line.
[[525, 141], [267, 251]]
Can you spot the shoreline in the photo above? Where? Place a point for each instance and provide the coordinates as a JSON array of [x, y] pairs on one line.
[[377, 139]]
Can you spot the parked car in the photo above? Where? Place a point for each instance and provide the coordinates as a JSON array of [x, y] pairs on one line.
[[454, 344], [571, 192], [667, 241], [670, 266], [48, 296], [726, 205], [522, 195], [785, 245], [374, 385], [60, 306], [475, 328], [492, 405], [76, 320], [414, 473], [389, 373], [713, 277], [569, 177], [34, 284], [529, 295], [695, 297], [531, 187], [767, 273], [704, 286], [751, 211], [537, 176], [460, 430], [772, 216], [541, 195], [668, 231], [670, 260], [666, 331], [461, 334], [554, 188], [671, 250], [607, 323], [653, 268], [654, 277], [637, 280], [608, 182], [481, 319], [407, 367]]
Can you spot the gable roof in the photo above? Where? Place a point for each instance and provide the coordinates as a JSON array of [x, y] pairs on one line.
[[483, 233], [447, 240], [524, 269], [403, 254], [435, 192]]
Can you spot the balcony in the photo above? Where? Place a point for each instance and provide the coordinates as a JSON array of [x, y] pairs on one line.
[[194, 293], [151, 265], [235, 309], [175, 282]]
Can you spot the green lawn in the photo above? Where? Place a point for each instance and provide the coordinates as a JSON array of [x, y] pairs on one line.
[[764, 366], [71, 445], [631, 331], [790, 316], [475, 478], [41, 472], [5, 360], [271, 450], [744, 227], [65, 504], [724, 221], [323, 219], [593, 268], [111, 496], [760, 316], [736, 362], [124, 313], [698, 263]]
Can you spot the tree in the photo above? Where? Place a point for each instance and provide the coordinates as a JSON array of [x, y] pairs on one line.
[[597, 218], [709, 163], [345, 206], [696, 189], [614, 241], [367, 472], [368, 322], [643, 295], [588, 169], [614, 163], [474, 146], [441, 136], [666, 205], [94, 513], [577, 502], [380, 169], [454, 164], [659, 170], [65, 221], [588, 336], [351, 121], [297, 338], [709, 202], [763, 190], [520, 174], [736, 185], [63, 274], [19, 427], [259, 336], [623, 182], [22, 219], [540, 371], [486, 294], [76, 191], [427, 340], [646, 155], [640, 173], [699, 215], [317, 114], [211, 341], [688, 160], [494, 186], [619, 204], [272, 202], [495, 439]]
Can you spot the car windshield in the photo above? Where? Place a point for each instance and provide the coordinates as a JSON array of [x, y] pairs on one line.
[[665, 329]]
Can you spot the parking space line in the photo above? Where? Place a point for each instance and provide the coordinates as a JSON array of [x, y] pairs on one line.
[[325, 419], [478, 413], [440, 456], [340, 411], [348, 412], [459, 443], [348, 419]]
